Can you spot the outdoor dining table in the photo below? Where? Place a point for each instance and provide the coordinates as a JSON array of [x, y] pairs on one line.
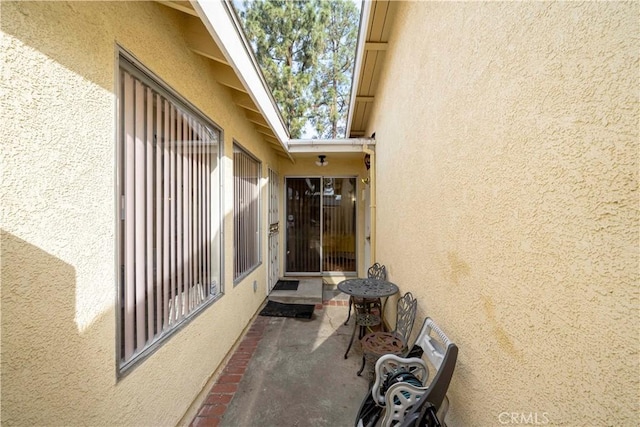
[[368, 288]]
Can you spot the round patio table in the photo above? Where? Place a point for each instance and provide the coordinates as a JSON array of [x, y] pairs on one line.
[[366, 288]]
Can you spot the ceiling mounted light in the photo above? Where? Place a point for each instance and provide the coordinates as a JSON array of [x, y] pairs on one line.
[[321, 160]]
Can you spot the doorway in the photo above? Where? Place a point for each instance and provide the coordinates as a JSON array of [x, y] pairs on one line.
[[321, 225], [274, 229]]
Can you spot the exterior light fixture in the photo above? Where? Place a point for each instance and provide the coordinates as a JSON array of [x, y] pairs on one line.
[[321, 160]]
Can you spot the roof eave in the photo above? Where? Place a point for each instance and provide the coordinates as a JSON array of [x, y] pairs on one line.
[[221, 23], [365, 14], [350, 145]]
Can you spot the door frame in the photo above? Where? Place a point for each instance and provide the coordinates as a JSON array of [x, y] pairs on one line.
[[322, 272]]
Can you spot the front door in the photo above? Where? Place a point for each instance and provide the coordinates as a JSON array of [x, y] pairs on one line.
[[274, 229]]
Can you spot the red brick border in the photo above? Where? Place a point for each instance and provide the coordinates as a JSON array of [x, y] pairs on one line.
[[338, 302], [222, 392]]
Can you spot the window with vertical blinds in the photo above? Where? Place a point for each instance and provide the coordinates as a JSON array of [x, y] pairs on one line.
[[169, 213], [246, 212]]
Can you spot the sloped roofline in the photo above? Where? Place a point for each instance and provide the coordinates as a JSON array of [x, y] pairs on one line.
[[221, 21], [365, 13], [222, 24]]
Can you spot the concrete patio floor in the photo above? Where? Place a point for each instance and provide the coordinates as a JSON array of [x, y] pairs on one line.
[[290, 372]]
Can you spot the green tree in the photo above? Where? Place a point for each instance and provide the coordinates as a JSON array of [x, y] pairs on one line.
[[306, 51], [287, 38], [332, 76]]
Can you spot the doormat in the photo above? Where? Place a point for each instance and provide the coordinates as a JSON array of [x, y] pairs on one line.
[[278, 309], [286, 285]]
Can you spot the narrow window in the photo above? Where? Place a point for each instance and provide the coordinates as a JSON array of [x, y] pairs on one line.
[[169, 213], [246, 212]]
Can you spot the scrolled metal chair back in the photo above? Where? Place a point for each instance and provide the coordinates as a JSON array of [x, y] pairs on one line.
[[377, 271], [407, 306]]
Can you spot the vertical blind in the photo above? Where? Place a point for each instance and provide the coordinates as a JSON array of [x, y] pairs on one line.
[[246, 193], [321, 224], [303, 224], [338, 226], [169, 261]]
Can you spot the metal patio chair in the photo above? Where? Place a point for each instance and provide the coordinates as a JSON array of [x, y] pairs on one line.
[[376, 344]]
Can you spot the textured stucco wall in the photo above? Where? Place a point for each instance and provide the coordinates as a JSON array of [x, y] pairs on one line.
[[58, 217], [507, 150]]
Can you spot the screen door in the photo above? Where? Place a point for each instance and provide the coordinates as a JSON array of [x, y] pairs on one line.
[[320, 225]]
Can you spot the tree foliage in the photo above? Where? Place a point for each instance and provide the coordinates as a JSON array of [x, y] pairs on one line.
[[306, 51], [332, 77]]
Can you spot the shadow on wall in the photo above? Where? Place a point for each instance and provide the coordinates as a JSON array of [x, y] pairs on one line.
[[46, 365], [79, 30]]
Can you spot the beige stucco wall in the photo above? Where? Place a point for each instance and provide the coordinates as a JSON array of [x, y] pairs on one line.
[[58, 217], [507, 156]]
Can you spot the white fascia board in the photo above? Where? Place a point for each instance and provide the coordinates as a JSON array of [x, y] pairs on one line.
[[365, 13], [221, 24], [350, 145]]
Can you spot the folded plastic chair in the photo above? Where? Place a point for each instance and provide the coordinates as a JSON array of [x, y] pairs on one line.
[[401, 394]]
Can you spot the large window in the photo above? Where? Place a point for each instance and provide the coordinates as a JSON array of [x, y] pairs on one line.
[[169, 213], [246, 212]]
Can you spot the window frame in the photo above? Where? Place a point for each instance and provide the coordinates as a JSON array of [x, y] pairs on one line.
[[125, 61], [258, 211]]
